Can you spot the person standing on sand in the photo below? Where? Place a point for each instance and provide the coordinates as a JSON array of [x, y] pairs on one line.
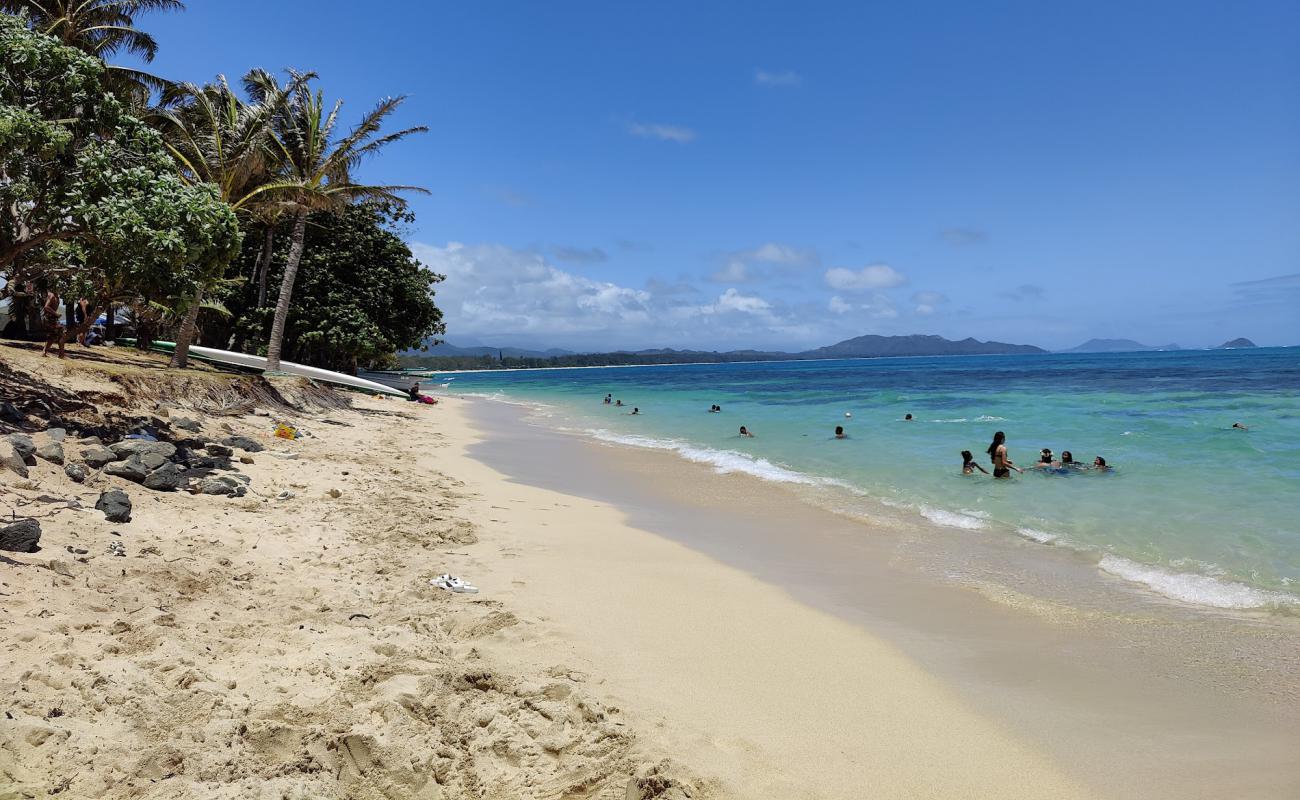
[[997, 451], [54, 330]]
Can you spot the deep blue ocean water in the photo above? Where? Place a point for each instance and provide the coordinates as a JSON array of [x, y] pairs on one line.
[[1194, 509]]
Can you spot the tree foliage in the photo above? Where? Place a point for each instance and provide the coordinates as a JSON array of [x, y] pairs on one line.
[[76, 168], [316, 171], [101, 28], [361, 294]]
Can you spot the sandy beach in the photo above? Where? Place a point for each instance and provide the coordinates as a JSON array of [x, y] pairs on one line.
[[268, 646]]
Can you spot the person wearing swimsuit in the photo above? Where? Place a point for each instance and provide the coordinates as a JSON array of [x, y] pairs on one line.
[[997, 451]]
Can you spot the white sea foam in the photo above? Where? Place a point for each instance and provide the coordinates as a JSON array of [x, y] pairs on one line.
[[722, 461], [987, 418], [1193, 588], [958, 419], [952, 519], [1042, 537]]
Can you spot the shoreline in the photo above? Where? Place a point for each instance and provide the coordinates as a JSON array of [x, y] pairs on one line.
[[641, 623], [1149, 684]]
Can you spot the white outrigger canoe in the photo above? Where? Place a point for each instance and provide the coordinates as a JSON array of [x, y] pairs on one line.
[[247, 361]]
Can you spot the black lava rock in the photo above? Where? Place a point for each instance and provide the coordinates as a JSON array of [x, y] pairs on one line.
[[116, 505], [167, 478], [21, 537], [243, 443]]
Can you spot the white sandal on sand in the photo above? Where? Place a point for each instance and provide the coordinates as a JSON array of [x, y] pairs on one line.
[[453, 584]]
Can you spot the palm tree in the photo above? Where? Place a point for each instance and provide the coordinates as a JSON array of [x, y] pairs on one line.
[[102, 28], [317, 175], [220, 139]]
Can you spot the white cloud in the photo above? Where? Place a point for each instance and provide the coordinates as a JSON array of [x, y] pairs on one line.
[[496, 289], [777, 253], [926, 301], [763, 77], [665, 133], [738, 267], [876, 305], [875, 276], [732, 300], [734, 271]]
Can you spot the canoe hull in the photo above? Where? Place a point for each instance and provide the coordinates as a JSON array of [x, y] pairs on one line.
[[247, 361]]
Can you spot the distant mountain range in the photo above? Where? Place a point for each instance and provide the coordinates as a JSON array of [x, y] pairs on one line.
[[871, 346], [1236, 344], [1118, 346], [883, 346]]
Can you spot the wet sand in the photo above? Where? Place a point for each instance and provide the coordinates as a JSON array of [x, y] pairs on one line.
[[1131, 694]]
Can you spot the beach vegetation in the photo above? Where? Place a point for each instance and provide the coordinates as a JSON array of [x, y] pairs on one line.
[[89, 194], [129, 189], [343, 317]]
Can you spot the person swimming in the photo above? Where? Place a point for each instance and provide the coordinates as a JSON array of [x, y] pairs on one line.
[[907, 418], [609, 398], [1045, 459], [1100, 465], [1239, 426], [714, 409], [968, 464], [1068, 462], [636, 411], [1002, 464], [839, 432], [745, 432], [618, 402]]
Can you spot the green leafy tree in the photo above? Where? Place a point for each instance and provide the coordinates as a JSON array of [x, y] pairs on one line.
[[219, 139], [76, 170], [343, 317], [316, 175], [102, 28]]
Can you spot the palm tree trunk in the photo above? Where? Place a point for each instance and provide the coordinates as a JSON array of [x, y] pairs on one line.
[[286, 291], [264, 265], [184, 337]]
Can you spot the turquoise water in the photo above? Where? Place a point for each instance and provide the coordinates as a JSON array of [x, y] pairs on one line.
[[1194, 510]]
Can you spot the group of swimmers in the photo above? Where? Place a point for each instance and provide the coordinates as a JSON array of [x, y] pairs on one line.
[[1002, 464], [609, 400]]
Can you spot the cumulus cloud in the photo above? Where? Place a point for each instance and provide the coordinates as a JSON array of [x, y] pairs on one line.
[[580, 255], [509, 295], [739, 266], [732, 300], [875, 305], [1025, 291], [763, 77], [493, 288], [733, 271], [874, 276], [961, 237], [664, 133], [838, 305], [926, 301]]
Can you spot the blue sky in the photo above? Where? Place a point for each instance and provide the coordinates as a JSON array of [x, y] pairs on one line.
[[785, 175]]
